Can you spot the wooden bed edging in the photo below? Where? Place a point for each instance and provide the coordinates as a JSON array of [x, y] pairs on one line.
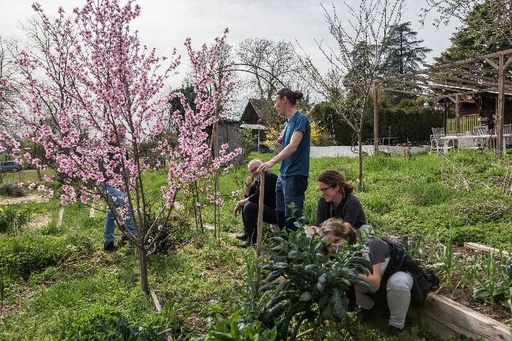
[[447, 318]]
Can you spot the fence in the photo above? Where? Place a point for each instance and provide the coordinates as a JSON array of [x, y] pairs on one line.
[[467, 123]]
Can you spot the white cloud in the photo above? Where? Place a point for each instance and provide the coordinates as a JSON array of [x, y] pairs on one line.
[[166, 24]]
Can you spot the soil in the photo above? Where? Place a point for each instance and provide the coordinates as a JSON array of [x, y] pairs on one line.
[[22, 200], [38, 221], [461, 292]]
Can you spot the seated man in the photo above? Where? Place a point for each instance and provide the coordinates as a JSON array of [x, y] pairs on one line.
[[249, 205]]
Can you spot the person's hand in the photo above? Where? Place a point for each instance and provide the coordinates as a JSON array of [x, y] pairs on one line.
[[238, 208], [265, 166], [311, 231], [249, 180]]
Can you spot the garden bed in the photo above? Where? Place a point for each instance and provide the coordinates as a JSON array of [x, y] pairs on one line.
[[453, 311], [448, 318]]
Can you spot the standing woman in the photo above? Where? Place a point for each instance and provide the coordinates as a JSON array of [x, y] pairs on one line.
[[338, 201], [294, 158]]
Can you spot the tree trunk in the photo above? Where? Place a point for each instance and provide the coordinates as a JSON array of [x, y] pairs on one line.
[[143, 260], [360, 147]]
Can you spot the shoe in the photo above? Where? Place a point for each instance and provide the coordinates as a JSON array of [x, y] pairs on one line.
[[241, 236], [371, 314], [109, 247], [392, 330]]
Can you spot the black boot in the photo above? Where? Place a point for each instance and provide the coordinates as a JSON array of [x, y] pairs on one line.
[[109, 247]]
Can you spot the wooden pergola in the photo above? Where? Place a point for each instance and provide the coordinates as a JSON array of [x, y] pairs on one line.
[[453, 81]]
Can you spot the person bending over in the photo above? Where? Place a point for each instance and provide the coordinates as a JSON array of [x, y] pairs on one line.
[[398, 285]]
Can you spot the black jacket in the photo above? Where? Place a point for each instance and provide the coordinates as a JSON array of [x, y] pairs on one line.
[[270, 190], [350, 210]]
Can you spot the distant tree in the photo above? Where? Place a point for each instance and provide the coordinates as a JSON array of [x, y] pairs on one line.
[[478, 35], [491, 19], [356, 61], [271, 65], [101, 79], [405, 53], [7, 96]]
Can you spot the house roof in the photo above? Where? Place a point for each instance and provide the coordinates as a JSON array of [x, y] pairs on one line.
[[253, 111]]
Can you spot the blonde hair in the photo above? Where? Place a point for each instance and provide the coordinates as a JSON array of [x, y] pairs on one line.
[[339, 228]]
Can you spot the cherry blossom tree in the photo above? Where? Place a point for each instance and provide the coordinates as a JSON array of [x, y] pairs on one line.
[[94, 78]]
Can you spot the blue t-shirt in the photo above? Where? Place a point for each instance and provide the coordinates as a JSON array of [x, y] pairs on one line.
[[298, 162]]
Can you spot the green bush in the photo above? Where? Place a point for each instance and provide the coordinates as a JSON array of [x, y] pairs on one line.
[[12, 217], [236, 328], [308, 289], [12, 190], [22, 256]]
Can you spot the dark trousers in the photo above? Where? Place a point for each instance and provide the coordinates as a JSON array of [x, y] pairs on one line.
[[250, 219]]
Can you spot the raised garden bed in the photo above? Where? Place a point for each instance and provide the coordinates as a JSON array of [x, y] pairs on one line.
[[453, 312], [448, 318]]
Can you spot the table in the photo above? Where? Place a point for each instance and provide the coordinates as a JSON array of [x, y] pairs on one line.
[[462, 141]]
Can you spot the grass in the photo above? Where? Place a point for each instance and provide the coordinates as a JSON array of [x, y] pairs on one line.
[[75, 291]]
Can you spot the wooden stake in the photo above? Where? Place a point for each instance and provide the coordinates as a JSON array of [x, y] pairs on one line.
[[259, 235]]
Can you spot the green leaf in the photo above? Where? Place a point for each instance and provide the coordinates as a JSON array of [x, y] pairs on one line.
[[320, 285], [339, 309], [306, 296]]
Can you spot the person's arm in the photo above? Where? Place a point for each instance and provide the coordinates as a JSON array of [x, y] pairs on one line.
[[283, 154], [374, 278], [239, 206], [247, 185], [320, 212], [251, 194]]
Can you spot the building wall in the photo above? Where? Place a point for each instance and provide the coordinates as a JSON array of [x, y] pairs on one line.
[[229, 133]]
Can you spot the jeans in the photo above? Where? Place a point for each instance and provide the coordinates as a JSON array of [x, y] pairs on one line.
[[119, 198], [290, 195]]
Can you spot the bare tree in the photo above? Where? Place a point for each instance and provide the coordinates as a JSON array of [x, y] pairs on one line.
[[270, 64], [7, 71], [356, 60]]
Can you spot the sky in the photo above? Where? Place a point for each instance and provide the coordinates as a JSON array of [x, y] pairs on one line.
[[165, 24]]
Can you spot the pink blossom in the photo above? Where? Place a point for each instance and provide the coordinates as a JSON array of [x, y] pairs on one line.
[[95, 77]]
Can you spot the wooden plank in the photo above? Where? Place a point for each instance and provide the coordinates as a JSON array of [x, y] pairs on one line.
[[448, 318], [480, 247]]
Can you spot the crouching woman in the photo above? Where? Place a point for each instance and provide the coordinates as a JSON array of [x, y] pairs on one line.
[[398, 285]]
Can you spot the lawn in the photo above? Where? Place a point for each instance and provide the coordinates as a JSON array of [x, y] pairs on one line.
[[57, 284]]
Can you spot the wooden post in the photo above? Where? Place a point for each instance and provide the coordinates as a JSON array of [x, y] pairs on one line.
[[501, 66], [498, 124], [375, 120], [457, 115], [261, 206]]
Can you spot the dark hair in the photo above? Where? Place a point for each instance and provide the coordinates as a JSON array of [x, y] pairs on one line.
[[334, 178], [292, 96], [340, 229]]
